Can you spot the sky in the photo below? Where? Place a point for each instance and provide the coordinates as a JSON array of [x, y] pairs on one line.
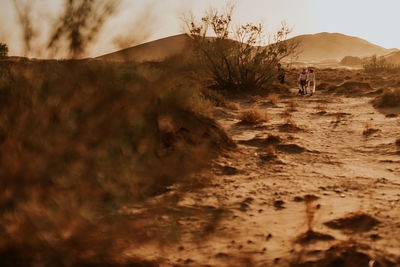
[[138, 21]]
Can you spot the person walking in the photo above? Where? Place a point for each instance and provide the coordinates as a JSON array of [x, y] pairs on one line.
[[311, 81], [303, 82]]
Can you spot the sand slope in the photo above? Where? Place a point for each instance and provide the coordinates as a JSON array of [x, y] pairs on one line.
[[151, 51], [313, 47], [323, 46], [317, 187]]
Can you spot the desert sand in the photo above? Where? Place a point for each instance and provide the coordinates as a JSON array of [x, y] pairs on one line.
[[318, 184]]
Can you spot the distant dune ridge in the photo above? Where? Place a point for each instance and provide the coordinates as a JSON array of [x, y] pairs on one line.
[[152, 51], [320, 47], [335, 46]]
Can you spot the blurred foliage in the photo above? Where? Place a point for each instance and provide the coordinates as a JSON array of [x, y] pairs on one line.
[[80, 140], [71, 33], [80, 23]]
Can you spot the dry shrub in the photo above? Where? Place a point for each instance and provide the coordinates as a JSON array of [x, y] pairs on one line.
[[214, 96], [368, 130], [218, 99], [270, 153], [379, 65], [345, 253], [239, 58], [291, 125], [79, 141], [274, 99], [271, 150], [398, 142], [252, 116], [390, 98]]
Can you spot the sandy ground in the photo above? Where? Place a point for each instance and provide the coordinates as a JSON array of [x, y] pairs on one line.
[[313, 185]]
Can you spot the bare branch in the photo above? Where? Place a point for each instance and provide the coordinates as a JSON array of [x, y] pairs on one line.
[[80, 24]]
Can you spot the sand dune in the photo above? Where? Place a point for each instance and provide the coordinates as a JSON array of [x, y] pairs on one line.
[[151, 51], [321, 47]]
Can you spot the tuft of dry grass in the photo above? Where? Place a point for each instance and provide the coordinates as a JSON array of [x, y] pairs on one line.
[[368, 130], [253, 116], [271, 150], [274, 99], [397, 142], [292, 105], [389, 99], [292, 125], [215, 97]]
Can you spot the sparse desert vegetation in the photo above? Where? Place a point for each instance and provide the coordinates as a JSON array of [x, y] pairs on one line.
[[376, 64], [253, 116], [388, 99], [238, 58], [197, 159], [142, 149]]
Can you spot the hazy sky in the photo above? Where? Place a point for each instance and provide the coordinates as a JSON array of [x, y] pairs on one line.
[[142, 20]]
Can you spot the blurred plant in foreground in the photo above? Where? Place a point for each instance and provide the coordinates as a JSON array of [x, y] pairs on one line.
[[80, 140]]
